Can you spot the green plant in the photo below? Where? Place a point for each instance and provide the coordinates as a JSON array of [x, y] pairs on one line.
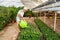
[[7, 14], [4, 20], [30, 33], [48, 33], [13, 12], [19, 8], [28, 13]]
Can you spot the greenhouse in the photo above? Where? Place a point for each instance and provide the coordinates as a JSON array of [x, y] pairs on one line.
[[29, 19]]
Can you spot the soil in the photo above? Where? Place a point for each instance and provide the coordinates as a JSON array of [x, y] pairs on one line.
[[10, 32]]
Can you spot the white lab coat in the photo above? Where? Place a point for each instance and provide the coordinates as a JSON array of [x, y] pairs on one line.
[[18, 19]]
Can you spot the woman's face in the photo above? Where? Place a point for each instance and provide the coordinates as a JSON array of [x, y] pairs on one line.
[[24, 10]]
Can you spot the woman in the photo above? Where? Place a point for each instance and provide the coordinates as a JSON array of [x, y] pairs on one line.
[[20, 15]]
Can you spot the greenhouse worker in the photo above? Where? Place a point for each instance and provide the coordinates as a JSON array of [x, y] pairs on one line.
[[20, 14]]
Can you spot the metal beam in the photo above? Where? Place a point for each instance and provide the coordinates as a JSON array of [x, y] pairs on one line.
[[44, 4], [55, 22], [57, 4], [49, 9], [50, 6]]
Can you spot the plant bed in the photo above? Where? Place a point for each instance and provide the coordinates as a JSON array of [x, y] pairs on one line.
[[30, 33], [49, 34]]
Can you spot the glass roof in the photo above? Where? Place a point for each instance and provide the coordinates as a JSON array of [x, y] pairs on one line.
[[28, 3]]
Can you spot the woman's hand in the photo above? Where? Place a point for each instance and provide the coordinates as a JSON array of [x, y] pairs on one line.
[[22, 19]]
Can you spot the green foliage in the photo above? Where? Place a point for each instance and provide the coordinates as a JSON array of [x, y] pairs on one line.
[[28, 13], [4, 19], [13, 12], [7, 14], [19, 8], [48, 33], [30, 33], [3, 9]]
